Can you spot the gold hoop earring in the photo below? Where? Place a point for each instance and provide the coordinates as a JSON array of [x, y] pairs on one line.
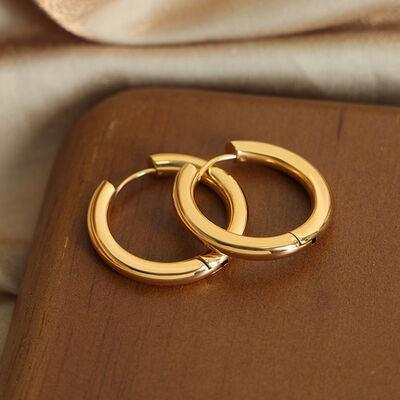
[[235, 244], [159, 272]]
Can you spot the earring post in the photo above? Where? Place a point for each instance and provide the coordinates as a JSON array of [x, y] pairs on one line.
[[134, 176], [210, 163]]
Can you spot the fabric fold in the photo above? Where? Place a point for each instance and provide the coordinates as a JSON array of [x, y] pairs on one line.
[[157, 22]]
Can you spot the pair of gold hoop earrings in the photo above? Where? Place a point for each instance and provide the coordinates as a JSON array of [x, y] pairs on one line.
[[223, 243]]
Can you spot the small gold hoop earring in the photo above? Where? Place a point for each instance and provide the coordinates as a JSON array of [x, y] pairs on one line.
[[235, 244], [164, 272]]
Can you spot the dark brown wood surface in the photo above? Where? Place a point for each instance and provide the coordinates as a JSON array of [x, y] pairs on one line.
[[322, 324]]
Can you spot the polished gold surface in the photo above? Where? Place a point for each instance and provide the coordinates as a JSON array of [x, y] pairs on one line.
[[235, 244], [164, 272]]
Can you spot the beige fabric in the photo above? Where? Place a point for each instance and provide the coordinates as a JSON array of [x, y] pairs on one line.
[[183, 21], [342, 49]]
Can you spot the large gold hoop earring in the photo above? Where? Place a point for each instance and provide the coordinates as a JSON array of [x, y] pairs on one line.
[[235, 244], [164, 272]]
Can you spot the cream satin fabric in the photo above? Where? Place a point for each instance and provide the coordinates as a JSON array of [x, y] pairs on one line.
[[342, 49], [182, 21]]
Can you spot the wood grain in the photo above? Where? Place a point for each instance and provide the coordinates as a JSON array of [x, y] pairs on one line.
[[322, 324]]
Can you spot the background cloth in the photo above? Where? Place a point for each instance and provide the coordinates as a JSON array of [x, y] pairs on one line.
[[60, 57]]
